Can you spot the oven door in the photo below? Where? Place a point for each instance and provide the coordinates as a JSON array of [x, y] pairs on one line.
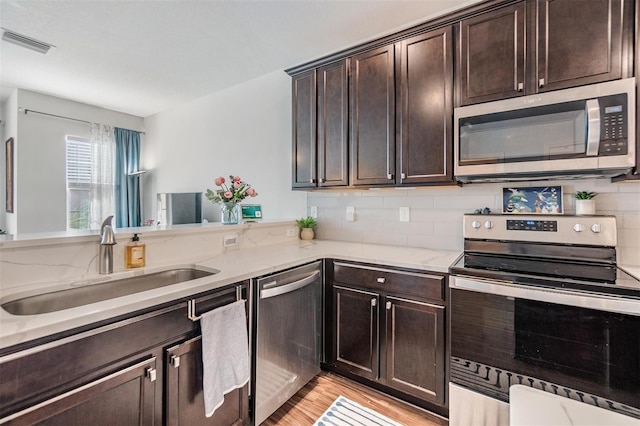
[[581, 346]]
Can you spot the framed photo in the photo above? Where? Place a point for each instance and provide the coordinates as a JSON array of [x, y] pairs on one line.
[[8, 155], [251, 211], [532, 200]]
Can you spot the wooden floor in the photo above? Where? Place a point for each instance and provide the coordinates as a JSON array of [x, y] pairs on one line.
[[311, 401]]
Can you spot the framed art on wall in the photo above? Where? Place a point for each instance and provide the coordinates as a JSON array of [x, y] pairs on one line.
[[532, 200], [8, 152]]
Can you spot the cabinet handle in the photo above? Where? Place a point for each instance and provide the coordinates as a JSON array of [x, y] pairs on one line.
[[389, 176], [541, 82], [151, 374], [388, 305], [175, 361], [381, 280], [374, 302], [520, 87]]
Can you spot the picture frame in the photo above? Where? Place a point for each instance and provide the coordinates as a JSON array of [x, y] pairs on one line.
[[9, 178], [251, 212], [532, 200]]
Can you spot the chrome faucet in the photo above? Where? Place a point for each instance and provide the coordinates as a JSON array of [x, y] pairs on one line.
[[107, 241]]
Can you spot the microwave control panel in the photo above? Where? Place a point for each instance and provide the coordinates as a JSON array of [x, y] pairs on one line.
[[613, 132]]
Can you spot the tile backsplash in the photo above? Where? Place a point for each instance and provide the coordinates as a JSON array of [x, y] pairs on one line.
[[436, 213]]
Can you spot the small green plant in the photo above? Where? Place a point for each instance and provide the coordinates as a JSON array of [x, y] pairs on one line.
[[584, 195], [306, 222]]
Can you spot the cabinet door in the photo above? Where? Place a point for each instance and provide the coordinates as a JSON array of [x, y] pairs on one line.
[[125, 397], [184, 398], [372, 117], [492, 55], [356, 331], [579, 42], [415, 349], [333, 125], [304, 130], [426, 108]]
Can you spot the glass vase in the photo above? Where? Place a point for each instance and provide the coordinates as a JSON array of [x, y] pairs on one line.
[[230, 213]]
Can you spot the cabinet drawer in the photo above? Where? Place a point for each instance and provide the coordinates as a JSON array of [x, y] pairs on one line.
[[421, 285]]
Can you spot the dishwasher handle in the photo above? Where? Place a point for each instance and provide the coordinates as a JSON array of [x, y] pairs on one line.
[[277, 290]]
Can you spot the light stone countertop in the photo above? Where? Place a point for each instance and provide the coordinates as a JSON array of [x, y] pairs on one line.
[[234, 266]]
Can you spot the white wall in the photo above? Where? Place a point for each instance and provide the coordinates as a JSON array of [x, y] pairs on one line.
[[40, 193], [244, 130]]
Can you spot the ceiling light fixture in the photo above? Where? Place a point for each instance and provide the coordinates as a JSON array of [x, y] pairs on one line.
[[24, 41]]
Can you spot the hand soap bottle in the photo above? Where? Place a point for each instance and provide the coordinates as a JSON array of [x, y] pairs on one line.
[[134, 253]]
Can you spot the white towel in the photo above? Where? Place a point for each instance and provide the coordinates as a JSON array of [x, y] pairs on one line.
[[225, 353]]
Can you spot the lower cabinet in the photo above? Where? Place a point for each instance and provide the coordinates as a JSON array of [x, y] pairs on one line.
[[184, 397], [130, 372], [388, 328]]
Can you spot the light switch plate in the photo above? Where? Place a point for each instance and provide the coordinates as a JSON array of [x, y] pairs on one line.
[[313, 212], [404, 214], [351, 214]]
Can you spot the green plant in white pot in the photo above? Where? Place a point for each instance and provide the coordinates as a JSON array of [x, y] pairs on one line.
[[585, 203], [306, 225]]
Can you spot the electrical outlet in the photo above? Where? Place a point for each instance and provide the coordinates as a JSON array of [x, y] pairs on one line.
[[404, 214], [313, 212], [291, 232], [351, 214], [230, 240]]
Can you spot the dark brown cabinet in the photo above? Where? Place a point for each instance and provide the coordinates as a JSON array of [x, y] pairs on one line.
[[540, 45], [426, 108], [388, 328], [114, 373], [320, 127], [184, 398], [372, 117]]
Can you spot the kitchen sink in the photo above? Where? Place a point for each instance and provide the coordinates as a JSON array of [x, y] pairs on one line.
[[91, 293]]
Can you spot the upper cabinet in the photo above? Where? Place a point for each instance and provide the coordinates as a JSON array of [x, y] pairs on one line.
[[540, 45], [372, 117], [320, 127], [426, 108]]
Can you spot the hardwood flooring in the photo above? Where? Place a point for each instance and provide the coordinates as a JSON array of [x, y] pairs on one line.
[[312, 400]]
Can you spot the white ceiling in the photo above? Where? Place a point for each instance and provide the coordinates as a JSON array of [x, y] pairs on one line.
[[143, 57]]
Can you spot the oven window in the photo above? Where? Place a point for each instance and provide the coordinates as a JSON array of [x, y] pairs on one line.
[[600, 347]]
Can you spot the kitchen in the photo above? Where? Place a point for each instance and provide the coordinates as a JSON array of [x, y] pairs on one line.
[[436, 212]]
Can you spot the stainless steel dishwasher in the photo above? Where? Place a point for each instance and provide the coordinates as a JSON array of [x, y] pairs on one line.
[[288, 330]]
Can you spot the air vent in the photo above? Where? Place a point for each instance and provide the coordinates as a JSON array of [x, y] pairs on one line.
[[25, 41]]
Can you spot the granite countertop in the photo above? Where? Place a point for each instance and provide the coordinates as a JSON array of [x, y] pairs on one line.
[[234, 266]]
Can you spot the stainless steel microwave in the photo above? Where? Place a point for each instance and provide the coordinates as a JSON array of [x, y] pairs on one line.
[[582, 131]]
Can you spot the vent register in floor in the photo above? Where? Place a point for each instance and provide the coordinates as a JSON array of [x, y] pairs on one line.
[[344, 412]]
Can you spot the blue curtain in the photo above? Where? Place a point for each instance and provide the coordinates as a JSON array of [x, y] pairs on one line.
[[127, 186]]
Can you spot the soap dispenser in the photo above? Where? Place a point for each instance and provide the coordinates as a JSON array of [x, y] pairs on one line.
[[135, 253]]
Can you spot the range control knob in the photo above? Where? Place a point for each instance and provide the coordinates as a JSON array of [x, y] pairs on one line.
[[596, 228], [475, 224], [488, 224], [578, 227]]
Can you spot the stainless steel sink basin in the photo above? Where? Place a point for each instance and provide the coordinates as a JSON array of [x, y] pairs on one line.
[[74, 297]]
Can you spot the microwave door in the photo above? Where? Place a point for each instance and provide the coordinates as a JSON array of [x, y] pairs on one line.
[[559, 131], [592, 107]]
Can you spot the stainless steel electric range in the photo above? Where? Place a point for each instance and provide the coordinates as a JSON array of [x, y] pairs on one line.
[[540, 301]]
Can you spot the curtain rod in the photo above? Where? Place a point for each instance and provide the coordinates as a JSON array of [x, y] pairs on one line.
[[26, 111]]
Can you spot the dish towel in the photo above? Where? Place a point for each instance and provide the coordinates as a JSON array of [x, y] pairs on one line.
[[225, 353]]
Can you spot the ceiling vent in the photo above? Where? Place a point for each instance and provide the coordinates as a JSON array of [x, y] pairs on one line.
[[25, 41]]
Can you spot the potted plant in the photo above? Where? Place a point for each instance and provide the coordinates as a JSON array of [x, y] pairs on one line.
[[306, 225], [585, 204]]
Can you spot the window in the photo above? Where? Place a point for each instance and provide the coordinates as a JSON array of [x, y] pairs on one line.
[[90, 181]]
